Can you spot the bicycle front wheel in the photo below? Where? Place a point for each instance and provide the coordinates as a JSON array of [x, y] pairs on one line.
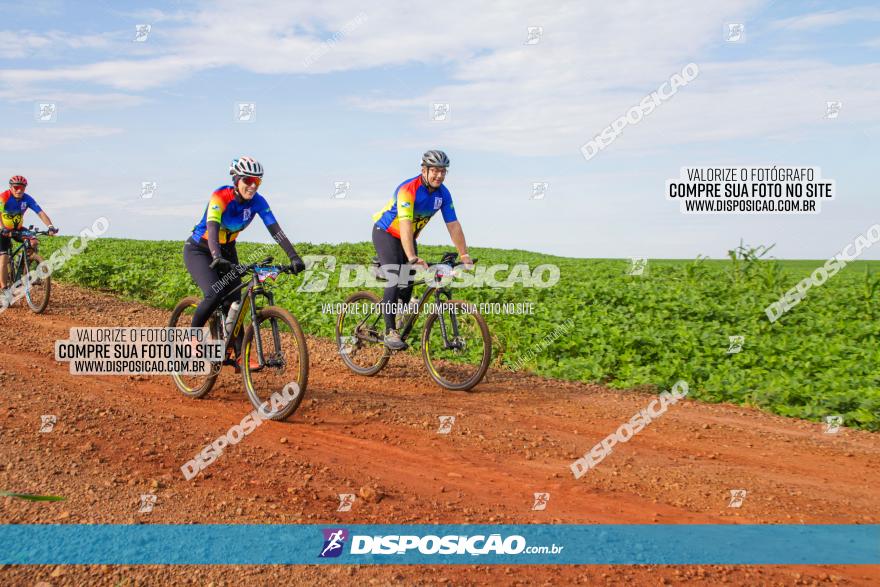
[[456, 346], [275, 359], [37, 284]]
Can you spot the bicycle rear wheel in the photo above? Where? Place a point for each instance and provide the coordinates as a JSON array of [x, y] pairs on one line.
[[195, 386], [37, 284], [456, 346], [274, 356], [359, 334]]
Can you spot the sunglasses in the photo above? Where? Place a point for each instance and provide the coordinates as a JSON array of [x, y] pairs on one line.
[[18, 185], [252, 181]]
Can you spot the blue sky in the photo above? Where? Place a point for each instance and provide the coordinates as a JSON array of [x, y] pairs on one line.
[[358, 110]]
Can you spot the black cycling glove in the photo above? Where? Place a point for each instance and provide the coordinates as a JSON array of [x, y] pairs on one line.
[[221, 264], [297, 265]]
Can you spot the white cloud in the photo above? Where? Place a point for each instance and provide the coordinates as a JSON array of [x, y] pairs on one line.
[[70, 100], [65, 198], [341, 203], [591, 67], [50, 134], [593, 63], [154, 15], [277, 38], [18, 44], [125, 74], [821, 20], [150, 208]]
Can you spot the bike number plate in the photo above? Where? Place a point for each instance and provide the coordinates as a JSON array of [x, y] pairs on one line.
[[263, 274]]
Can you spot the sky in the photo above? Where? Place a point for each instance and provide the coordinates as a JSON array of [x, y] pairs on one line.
[[344, 92]]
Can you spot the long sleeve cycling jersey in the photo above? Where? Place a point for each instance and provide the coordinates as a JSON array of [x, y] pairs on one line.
[[12, 209], [232, 216], [412, 201]]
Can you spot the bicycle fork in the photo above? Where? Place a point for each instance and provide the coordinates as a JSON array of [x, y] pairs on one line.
[[23, 274], [274, 361], [456, 336]]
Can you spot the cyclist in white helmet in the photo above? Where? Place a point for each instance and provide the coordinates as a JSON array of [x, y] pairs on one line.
[[210, 254]]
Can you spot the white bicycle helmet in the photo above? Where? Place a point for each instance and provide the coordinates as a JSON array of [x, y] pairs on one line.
[[246, 166]]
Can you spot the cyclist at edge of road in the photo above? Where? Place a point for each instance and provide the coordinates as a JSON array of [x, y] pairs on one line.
[[397, 226], [14, 202], [210, 255]]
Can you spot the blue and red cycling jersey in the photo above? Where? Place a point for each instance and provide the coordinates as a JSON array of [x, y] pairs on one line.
[[12, 209], [412, 201], [232, 216]]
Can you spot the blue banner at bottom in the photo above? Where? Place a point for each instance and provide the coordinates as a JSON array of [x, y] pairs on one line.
[[535, 544]]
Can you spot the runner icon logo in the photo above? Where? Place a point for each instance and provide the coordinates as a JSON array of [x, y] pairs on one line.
[[334, 541], [833, 424], [832, 109], [735, 32], [315, 278], [541, 500], [341, 189], [446, 423], [47, 112], [440, 111], [347, 344], [148, 501], [535, 33], [638, 266], [736, 344], [246, 112], [539, 190], [142, 32], [148, 189], [346, 500], [47, 422], [737, 496]]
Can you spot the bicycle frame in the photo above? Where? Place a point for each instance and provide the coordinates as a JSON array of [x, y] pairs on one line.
[[410, 321], [18, 250], [438, 293], [248, 299]]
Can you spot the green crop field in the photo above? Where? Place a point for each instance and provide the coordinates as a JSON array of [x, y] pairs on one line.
[[673, 322]]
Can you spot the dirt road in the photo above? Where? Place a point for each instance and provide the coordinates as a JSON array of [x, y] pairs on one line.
[[118, 437]]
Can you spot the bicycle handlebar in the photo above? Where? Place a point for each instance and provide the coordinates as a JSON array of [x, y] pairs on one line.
[[266, 264], [29, 231], [450, 259]]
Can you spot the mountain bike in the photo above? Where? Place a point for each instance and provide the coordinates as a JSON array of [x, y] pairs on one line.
[[273, 349], [455, 340], [23, 263]]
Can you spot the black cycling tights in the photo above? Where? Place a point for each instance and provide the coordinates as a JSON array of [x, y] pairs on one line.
[[197, 259], [390, 252]]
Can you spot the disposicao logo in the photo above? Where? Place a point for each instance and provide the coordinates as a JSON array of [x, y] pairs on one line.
[[334, 541]]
